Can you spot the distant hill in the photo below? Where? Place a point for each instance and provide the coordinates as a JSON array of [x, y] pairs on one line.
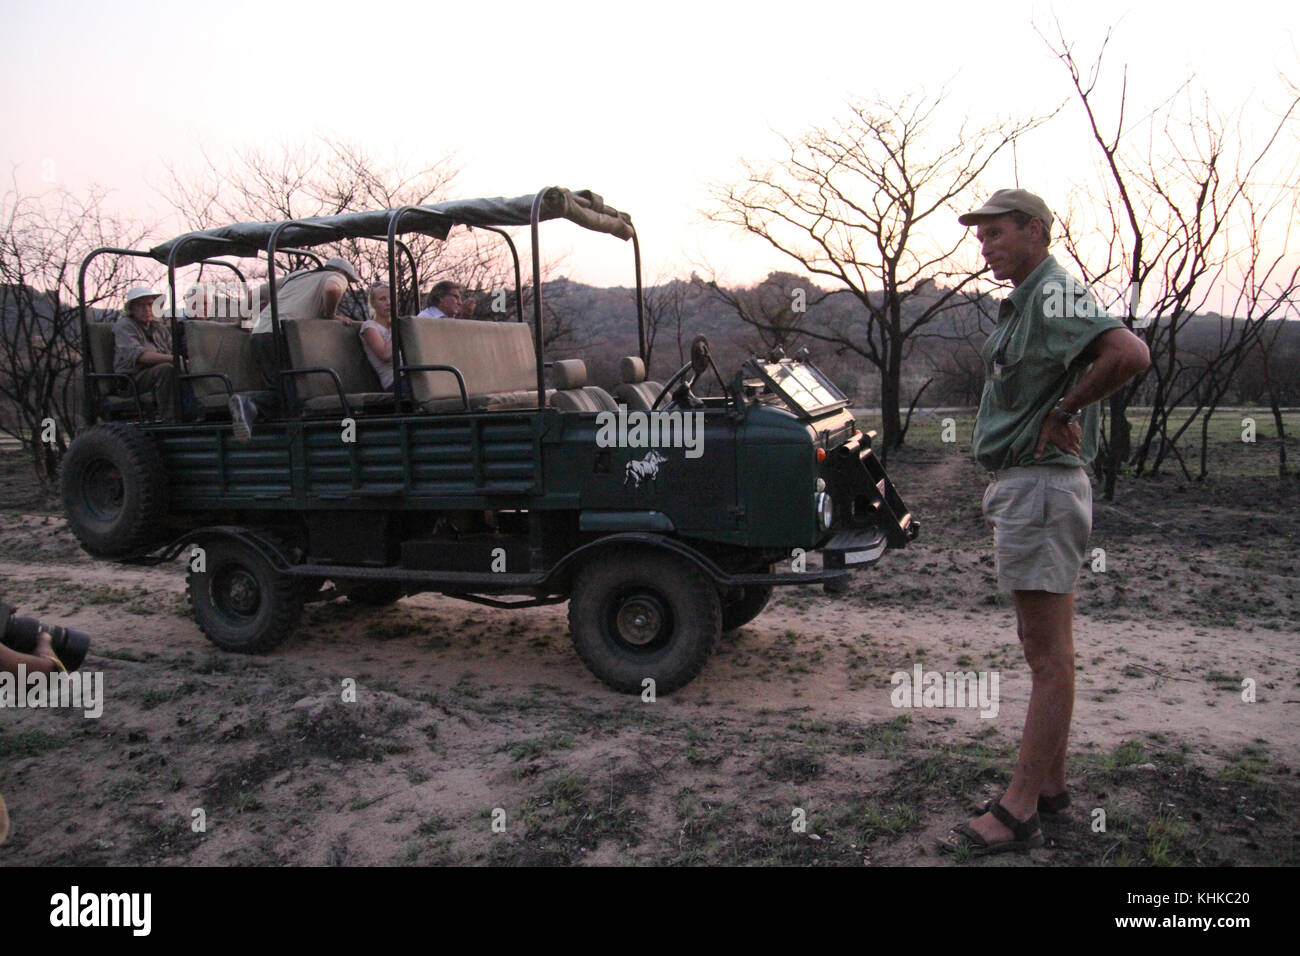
[[603, 322]]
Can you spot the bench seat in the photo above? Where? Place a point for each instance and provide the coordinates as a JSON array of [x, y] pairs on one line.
[[496, 359], [332, 344]]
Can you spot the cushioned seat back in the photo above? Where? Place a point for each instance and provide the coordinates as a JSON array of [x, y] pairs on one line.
[[328, 343], [220, 347], [493, 357], [573, 394], [634, 391], [101, 355]]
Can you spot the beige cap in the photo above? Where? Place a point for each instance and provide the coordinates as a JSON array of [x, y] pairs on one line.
[[1009, 200], [342, 265]]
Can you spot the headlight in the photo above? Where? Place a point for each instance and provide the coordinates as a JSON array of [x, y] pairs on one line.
[[825, 510]]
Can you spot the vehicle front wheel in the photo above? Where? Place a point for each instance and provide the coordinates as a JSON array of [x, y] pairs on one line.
[[636, 615], [240, 600]]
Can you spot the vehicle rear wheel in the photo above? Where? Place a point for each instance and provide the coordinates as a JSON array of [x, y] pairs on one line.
[[747, 607], [240, 600], [114, 490], [637, 615]]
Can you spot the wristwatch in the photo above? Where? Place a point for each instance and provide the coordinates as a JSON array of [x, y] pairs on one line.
[[1063, 415]]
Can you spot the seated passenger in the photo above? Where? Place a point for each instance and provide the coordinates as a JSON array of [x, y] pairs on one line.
[[142, 348], [377, 333], [444, 301], [468, 306], [308, 294]]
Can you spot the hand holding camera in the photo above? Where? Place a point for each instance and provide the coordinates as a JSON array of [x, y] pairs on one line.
[[63, 647]]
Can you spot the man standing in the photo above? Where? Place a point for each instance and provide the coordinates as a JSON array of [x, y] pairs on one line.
[[142, 348], [313, 294], [444, 301], [1053, 355]]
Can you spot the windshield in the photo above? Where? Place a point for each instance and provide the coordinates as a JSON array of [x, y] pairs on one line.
[[801, 386]]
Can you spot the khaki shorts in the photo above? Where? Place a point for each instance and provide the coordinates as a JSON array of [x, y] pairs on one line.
[[1041, 517]]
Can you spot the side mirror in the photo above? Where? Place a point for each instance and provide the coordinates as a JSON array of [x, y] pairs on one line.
[[700, 360]]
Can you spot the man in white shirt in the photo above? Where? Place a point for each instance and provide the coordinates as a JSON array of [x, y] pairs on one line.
[[444, 301]]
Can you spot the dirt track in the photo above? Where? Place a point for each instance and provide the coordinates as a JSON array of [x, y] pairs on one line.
[[462, 711]]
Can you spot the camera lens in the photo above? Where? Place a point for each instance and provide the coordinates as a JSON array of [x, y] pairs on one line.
[[71, 645]]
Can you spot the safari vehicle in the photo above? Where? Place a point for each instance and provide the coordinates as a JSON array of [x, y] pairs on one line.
[[663, 518]]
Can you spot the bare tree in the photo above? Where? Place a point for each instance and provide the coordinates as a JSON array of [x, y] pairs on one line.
[[1167, 205], [853, 204], [959, 373], [664, 308], [1266, 299], [775, 308], [1272, 360], [42, 242], [325, 177]]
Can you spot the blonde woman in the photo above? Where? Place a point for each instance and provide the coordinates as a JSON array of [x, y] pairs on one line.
[[377, 333]]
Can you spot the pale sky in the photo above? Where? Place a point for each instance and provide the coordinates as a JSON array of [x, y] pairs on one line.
[[644, 103]]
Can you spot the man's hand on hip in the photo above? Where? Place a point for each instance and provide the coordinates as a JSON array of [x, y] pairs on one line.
[[1068, 438]]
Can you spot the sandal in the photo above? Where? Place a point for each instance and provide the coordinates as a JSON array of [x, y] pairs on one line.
[[1048, 806], [1024, 836]]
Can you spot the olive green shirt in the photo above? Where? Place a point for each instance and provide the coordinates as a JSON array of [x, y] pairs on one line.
[[1031, 361], [131, 340]]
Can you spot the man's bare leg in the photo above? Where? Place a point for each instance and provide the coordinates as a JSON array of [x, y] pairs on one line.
[[1045, 622]]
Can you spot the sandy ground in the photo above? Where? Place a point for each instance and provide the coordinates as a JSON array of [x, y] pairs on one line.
[[477, 736]]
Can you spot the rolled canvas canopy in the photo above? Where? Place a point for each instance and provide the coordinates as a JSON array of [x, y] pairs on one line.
[[582, 207]]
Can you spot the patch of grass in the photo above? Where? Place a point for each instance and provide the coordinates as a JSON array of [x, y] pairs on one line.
[[700, 757], [313, 790], [28, 743], [151, 697], [123, 789], [876, 819], [527, 749], [1248, 765], [796, 766], [410, 855], [1165, 842], [465, 686], [1127, 754], [247, 803], [563, 789], [1224, 681], [432, 826], [885, 739], [566, 817]]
